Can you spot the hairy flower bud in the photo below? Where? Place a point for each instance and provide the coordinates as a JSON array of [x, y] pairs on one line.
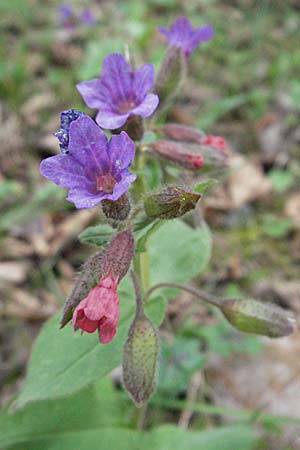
[[182, 133], [113, 261], [140, 356], [170, 77], [180, 154], [170, 202], [252, 316], [118, 209]]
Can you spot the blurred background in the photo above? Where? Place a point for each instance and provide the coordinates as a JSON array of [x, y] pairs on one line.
[[244, 85]]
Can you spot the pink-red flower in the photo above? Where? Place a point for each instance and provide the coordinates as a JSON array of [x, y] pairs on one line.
[[99, 310]]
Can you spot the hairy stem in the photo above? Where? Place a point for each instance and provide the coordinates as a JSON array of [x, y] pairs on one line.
[[202, 295]]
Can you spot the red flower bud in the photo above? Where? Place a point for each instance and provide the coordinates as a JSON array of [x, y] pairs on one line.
[[216, 142], [184, 133], [183, 155]]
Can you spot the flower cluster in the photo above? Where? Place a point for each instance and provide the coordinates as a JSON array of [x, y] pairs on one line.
[[94, 168]]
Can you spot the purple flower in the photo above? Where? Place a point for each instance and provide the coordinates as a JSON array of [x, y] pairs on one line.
[[120, 92], [65, 11], [66, 117], [93, 169], [87, 17], [182, 35]]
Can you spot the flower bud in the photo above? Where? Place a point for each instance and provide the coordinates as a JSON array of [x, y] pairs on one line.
[[252, 316], [182, 133], [118, 255], [118, 209], [170, 77], [113, 261], [83, 284], [140, 358], [216, 142], [181, 154], [170, 202]]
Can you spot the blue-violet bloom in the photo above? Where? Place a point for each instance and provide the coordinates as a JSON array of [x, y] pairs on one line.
[[87, 17], [94, 168], [182, 35], [66, 117], [120, 92]]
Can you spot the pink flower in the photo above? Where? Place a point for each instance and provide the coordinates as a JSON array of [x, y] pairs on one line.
[[99, 310]]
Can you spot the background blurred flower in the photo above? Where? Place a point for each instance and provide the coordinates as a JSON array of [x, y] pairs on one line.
[[93, 169], [120, 92], [182, 34], [87, 17]]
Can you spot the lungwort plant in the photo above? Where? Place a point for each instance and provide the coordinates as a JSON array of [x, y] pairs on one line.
[[147, 179]]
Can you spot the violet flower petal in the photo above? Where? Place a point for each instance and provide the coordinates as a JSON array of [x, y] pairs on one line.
[[83, 199], [87, 144], [111, 120], [116, 76], [91, 92], [121, 150], [63, 170], [147, 107], [122, 186], [143, 80]]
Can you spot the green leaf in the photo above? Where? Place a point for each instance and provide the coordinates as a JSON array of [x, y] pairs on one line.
[[204, 185], [178, 252], [141, 245], [98, 235], [95, 405], [63, 361], [155, 309], [167, 437]]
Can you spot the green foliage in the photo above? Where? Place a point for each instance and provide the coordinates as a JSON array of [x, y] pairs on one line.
[[98, 235], [179, 360], [202, 186], [180, 262], [99, 418]]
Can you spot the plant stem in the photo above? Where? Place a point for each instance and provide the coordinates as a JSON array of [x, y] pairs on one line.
[[205, 296]]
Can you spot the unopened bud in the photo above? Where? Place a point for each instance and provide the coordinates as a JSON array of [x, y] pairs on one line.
[[118, 255], [140, 358], [182, 133], [183, 155], [217, 142], [170, 202], [118, 209], [85, 281], [252, 316], [170, 77]]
